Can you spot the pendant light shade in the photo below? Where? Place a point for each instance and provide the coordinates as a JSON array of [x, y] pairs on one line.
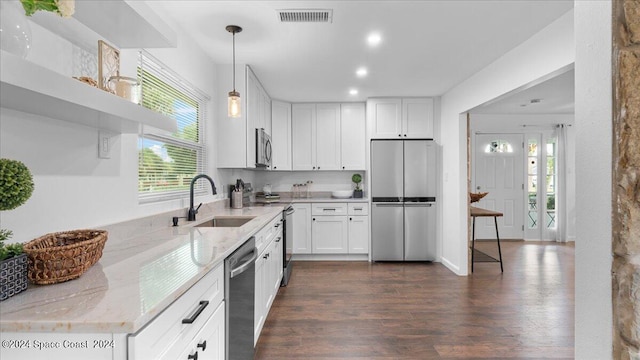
[[234, 103]]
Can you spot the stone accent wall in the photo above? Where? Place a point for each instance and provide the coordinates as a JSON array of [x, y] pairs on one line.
[[626, 180]]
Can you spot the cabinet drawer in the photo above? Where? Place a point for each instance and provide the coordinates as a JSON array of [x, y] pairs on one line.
[[328, 209], [167, 332], [358, 208], [267, 233]]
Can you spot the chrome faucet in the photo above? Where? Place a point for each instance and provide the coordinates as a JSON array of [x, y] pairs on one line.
[[191, 216]]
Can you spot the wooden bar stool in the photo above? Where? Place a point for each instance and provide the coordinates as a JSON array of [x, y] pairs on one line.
[[483, 257]]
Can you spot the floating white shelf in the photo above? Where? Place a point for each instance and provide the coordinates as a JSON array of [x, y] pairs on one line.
[[31, 88], [122, 23]]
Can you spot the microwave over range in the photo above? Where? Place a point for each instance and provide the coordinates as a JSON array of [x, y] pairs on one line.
[[263, 148]]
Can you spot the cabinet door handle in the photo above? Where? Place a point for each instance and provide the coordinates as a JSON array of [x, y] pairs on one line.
[[277, 225], [202, 345], [194, 356], [203, 304], [278, 239], [357, 209]]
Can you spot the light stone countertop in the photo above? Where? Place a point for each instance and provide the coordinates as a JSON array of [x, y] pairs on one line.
[[137, 277]]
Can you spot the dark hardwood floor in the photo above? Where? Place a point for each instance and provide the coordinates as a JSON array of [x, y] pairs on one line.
[[358, 310]]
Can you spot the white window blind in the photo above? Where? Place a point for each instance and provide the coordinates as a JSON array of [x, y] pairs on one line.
[[168, 162]]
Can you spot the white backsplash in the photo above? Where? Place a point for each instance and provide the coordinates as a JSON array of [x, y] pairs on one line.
[[322, 180]]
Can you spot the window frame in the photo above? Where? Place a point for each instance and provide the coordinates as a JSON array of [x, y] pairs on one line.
[[149, 64]]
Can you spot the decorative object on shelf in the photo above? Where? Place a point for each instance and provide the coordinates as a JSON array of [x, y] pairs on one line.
[[16, 187], [342, 194], [126, 87], [108, 65], [357, 192], [15, 32], [234, 110], [64, 8], [87, 80], [63, 256], [475, 197]]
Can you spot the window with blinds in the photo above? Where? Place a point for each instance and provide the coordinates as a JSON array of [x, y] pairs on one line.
[[168, 162]]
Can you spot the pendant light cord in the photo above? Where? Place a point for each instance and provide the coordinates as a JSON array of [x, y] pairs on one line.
[[234, 61]]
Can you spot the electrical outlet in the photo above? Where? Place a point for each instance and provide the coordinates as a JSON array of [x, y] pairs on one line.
[[104, 145]]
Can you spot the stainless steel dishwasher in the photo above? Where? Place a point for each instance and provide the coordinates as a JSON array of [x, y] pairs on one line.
[[239, 291]]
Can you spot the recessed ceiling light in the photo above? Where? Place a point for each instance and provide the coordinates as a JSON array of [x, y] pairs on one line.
[[361, 72], [353, 92], [374, 39]]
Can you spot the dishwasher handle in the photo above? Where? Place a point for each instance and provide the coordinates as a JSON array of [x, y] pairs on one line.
[[245, 265]]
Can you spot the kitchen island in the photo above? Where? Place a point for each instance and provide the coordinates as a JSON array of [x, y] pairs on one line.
[[140, 274]]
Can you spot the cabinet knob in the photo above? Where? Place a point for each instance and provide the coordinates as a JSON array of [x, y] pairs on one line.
[[318, 167], [202, 345], [265, 256], [194, 356], [350, 219], [275, 167], [314, 219], [343, 168], [405, 135], [278, 239], [399, 135]]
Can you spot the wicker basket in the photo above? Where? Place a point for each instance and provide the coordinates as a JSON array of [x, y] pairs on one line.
[[63, 256], [475, 197]]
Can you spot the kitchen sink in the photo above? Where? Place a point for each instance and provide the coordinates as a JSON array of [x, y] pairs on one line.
[[226, 222]]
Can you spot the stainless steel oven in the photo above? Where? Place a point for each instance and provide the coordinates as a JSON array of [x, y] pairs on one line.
[[263, 148], [287, 247]]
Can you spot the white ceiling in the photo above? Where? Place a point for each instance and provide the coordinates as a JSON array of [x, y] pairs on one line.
[[556, 96], [427, 47]]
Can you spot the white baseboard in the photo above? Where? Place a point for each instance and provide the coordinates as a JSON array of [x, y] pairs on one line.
[[452, 267], [330, 257]]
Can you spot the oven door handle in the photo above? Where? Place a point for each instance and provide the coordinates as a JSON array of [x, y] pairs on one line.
[[245, 265]]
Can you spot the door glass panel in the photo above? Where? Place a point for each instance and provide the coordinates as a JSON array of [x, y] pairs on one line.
[[551, 176], [532, 184], [498, 146]]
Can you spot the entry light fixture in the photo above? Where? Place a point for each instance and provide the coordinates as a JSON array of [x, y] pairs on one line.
[[234, 109]]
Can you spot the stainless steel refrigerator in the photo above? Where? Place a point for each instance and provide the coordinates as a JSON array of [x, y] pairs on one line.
[[403, 187]]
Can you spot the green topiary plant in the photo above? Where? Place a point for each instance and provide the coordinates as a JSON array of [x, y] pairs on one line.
[[357, 179], [16, 184], [16, 187]]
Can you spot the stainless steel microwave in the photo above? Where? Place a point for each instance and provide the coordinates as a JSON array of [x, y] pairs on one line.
[[263, 148]]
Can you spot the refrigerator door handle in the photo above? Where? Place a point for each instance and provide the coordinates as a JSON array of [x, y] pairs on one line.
[[388, 204], [418, 204]]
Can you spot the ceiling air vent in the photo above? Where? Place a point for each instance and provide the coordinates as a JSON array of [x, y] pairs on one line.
[[305, 16]]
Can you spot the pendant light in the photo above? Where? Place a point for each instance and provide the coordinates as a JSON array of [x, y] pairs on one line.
[[234, 96]]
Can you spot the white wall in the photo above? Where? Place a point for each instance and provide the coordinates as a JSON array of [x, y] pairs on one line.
[[537, 124], [593, 337], [547, 51], [73, 188]]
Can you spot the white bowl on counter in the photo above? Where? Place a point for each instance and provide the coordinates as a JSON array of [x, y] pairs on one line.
[[342, 194]]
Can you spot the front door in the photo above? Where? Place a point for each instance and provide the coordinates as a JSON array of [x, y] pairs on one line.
[[498, 170]]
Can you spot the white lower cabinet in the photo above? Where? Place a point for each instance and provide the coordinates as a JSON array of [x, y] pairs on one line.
[[302, 229], [331, 228], [268, 271], [329, 234], [209, 344], [358, 234], [173, 331]]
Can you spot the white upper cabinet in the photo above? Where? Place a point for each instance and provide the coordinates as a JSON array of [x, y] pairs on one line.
[[327, 133], [353, 142], [417, 118], [237, 136], [385, 117], [328, 136], [303, 121], [392, 118], [281, 135]]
